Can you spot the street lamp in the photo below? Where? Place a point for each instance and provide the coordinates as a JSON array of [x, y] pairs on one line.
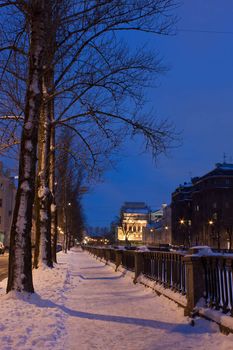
[[186, 225], [211, 224]]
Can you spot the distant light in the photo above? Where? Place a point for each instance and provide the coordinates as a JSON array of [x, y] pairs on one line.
[[16, 177], [181, 221], [69, 203], [166, 227], [211, 222]]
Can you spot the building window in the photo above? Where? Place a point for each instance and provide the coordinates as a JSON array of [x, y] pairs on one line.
[[0, 202], [227, 205], [214, 205], [228, 181], [197, 208]]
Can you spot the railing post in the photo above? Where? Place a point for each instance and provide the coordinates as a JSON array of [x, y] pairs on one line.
[[138, 264], [195, 282], [118, 258]]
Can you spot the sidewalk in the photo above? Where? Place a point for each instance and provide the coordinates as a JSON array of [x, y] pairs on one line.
[[83, 305]]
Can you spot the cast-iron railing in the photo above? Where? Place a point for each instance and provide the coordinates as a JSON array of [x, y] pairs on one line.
[[195, 276], [219, 282], [167, 269], [128, 259]]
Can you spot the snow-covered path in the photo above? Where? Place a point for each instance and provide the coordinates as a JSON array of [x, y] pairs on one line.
[[83, 304], [107, 311]]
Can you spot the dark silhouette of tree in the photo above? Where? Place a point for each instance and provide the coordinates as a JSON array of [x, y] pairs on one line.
[[71, 52]]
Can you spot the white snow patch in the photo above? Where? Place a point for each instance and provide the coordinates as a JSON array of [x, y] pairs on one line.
[[25, 186], [20, 241], [177, 297], [27, 166], [217, 316], [28, 145], [82, 303]]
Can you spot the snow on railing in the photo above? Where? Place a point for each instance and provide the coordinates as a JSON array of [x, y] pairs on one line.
[[167, 269], [218, 282]]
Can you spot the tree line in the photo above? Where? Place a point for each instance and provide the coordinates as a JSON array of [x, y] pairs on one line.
[[72, 91]]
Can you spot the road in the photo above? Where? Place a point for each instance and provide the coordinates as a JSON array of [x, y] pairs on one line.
[[3, 266]]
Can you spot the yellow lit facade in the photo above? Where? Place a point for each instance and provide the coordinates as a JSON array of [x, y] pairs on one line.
[[134, 218]]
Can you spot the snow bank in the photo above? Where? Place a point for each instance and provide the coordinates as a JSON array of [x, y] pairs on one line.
[[175, 296], [83, 304], [35, 321], [225, 320]]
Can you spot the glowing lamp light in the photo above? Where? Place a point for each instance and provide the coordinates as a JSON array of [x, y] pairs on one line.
[[181, 221], [211, 222]]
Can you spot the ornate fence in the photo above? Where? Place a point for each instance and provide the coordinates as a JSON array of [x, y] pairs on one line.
[[209, 277], [218, 283], [165, 268]]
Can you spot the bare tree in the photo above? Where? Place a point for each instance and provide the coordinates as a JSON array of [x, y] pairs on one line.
[[70, 175], [128, 226], [20, 272], [98, 81]]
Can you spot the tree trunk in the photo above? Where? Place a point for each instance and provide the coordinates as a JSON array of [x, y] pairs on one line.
[[52, 187], [65, 226], [37, 227], [44, 194], [20, 259]]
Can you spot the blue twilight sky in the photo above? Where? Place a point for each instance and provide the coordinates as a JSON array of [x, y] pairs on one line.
[[197, 95]]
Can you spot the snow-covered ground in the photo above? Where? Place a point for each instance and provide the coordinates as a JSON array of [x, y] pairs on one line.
[[83, 304]]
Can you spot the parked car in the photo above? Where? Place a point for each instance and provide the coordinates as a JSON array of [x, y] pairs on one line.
[[2, 248]]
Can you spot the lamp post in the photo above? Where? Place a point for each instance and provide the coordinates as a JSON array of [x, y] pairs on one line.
[[211, 225], [186, 228]]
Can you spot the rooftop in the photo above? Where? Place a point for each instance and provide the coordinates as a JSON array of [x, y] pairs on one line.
[[134, 205]]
